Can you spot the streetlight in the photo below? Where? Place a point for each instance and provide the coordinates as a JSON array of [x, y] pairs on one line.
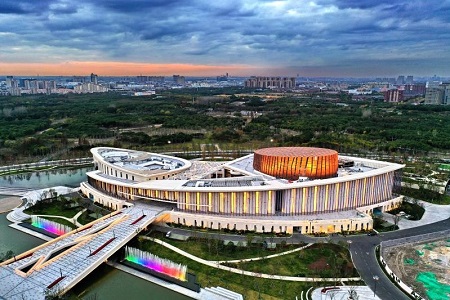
[[375, 278]]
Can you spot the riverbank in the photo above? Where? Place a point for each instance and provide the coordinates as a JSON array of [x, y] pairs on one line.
[[9, 203], [155, 280], [45, 165]]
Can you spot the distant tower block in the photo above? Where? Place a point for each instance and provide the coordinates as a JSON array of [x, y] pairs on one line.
[[94, 78], [294, 162]]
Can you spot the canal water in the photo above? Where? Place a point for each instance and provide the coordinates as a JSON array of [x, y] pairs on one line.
[[105, 282], [45, 179]]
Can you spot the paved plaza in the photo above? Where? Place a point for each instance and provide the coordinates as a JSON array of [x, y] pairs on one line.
[[343, 293], [433, 213]]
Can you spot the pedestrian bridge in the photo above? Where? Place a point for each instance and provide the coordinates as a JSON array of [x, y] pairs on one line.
[[56, 266]]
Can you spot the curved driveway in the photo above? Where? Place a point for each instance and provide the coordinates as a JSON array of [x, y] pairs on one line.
[[362, 249]]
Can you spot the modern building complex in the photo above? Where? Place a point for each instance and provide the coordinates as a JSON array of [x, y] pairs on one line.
[[393, 95], [270, 82], [437, 93], [285, 189]]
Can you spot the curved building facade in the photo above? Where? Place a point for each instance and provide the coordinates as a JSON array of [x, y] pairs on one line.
[[205, 194], [294, 162]]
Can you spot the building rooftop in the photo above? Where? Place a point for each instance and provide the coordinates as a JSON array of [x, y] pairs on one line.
[[295, 151], [140, 162]]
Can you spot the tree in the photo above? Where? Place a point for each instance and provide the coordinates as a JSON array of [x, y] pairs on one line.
[[5, 256], [352, 295], [396, 219]]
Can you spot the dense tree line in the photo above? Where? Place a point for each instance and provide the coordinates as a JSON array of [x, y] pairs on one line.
[[38, 125]]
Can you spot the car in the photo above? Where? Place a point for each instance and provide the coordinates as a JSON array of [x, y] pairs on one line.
[[168, 234], [372, 233]]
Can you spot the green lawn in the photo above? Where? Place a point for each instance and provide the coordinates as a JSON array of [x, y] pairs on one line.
[[416, 211], [319, 260], [211, 249], [252, 288], [52, 208], [426, 195], [84, 218]]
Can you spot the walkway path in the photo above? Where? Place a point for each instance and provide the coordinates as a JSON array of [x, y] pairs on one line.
[[72, 220], [217, 265], [261, 257], [342, 293], [31, 197]]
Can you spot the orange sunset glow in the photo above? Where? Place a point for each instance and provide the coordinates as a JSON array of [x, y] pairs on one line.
[[121, 69]]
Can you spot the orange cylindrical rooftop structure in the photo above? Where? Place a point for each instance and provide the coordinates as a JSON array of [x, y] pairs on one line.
[[294, 162]]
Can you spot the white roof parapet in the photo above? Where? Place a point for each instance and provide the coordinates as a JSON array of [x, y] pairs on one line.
[[133, 158]]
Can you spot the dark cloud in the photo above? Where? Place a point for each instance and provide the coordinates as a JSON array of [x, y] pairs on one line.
[[23, 6], [138, 5], [321, 33], [365, 4]]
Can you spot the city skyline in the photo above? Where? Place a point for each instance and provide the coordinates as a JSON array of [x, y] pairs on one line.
[[242, 38]]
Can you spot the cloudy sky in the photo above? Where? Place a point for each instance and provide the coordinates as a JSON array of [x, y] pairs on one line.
[[212, 37]]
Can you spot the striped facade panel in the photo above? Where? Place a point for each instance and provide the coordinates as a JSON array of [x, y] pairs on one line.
[[226, 203], [262, 203], [203, 202], [321, 197], [290, 203], [341, 196], [357, 195], [310, 200], [285, 164], [240, 203], [251, 203], [190, 201], [331, 197], [182, 201], [215, 201]]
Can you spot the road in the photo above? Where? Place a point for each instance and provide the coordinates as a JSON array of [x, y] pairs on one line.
[[362, 249]]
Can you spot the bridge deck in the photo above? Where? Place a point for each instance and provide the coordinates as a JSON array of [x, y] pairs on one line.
[[58, 265]]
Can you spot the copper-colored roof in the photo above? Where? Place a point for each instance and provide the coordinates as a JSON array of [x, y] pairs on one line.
[[295, 151]]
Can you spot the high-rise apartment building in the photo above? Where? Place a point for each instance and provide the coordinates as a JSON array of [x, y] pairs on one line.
[[94, 78], [409, 79], [8, 81], [393, 95], [143, 78], [400, 79], [89, 87], [446, 100], [435, 93], [270, 82], [179, 79]]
